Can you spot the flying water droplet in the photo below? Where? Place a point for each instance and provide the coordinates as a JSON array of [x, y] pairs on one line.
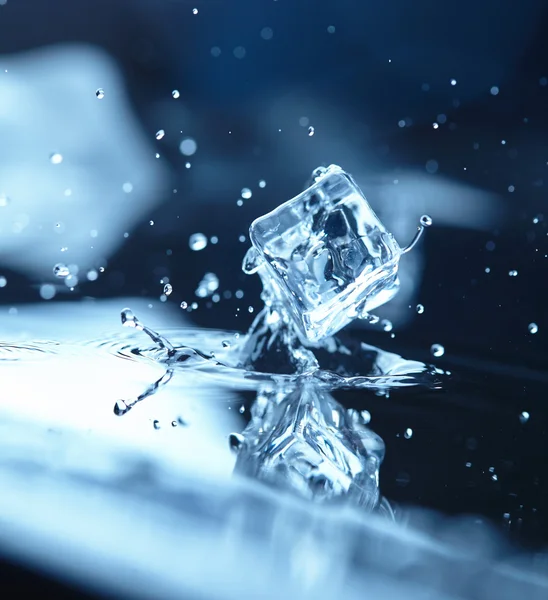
[[56, 158], [533, 328], [252, 261], [156, 424], [437, 350], [311, 131], [129, 319], [174, 423], [426, 221], [513, 273], [262, 183], [175, 94], [236, 441], [197, 241], [524, 417], [420, 309], [246, 193], [61, 270], [194, 11], [184, 305], [100, 93], [4, 200], [160, 134], [386, 325], [225, 344], [168, 289], [408, 433], [121, 408], [242, 409]]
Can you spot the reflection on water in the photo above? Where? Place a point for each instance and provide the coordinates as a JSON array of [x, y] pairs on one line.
[[89, 495]]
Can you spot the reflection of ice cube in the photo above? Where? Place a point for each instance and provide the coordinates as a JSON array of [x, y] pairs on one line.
[[328, 253], [306, 442]]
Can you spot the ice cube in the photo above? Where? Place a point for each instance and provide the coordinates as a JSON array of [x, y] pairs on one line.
[[305, 442], [327, 254]]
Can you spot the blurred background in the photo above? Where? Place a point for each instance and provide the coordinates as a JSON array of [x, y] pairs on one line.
[[127, 126]]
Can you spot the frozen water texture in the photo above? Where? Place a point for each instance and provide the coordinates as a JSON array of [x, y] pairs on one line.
[[302, 440], [326, 254]]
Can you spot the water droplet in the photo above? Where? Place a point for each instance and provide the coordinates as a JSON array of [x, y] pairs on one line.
[[331, 29], [262, 183], [160, 134], [252, 261], [420, 309], [266, 33], [184, 305], [453, 82], [61, 270], [168, 289], [494, 90], [524, 417], [311, 131], [56, 158], [151, 222], [426, 221], [242, 409], [513, 273], [4, 200], [386, 325], [3, 281], [100, 93], [156, 424], [47, 291], [437, 350], [121, 408], [250, 309], [194, 11], [188, 147], [533, 328], [408, 433], [236, 441], [197, 241], [175, 94], [128, 318], [246, 193]]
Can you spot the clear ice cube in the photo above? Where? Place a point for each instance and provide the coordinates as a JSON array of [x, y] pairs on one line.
[[326, 255], [305, 442]]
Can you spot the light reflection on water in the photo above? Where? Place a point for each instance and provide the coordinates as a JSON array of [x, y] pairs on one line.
[[122, 505]]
